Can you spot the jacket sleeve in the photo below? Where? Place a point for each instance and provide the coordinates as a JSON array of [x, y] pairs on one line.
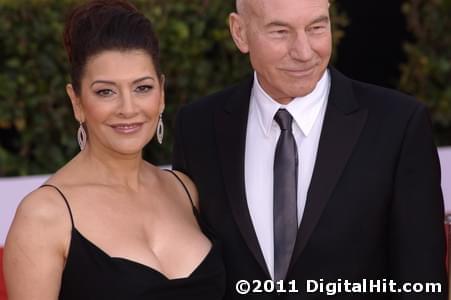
[[417, 236]]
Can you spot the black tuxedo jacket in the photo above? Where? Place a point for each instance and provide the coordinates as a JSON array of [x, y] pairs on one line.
[[374, 207]]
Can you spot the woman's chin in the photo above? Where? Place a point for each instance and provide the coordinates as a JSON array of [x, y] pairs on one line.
[[128, 149]]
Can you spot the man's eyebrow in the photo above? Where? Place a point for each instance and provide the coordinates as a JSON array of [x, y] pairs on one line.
[[277, 23], [320, 19]]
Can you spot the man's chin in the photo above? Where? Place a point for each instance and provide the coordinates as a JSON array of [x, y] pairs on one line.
[[302, 91]]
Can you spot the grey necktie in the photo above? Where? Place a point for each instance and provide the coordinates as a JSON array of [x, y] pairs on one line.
[[285, 195]]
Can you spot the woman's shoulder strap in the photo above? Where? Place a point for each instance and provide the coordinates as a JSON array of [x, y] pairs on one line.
[[64, 198], [184, 187]]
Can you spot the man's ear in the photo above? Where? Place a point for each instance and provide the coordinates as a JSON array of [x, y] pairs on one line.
[[237, 28], [76, 103]]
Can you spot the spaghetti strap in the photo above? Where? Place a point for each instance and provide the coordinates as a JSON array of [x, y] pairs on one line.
[[184, 187], [205, 227], [65, 200]]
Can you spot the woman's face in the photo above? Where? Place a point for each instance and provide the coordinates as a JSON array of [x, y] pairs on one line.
[[120, 100]]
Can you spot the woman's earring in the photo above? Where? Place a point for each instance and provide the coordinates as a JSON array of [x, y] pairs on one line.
[[81, 137], [160, 130]]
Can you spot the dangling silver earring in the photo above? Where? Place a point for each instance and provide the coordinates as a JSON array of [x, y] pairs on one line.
[[81, 137], [160, 129]]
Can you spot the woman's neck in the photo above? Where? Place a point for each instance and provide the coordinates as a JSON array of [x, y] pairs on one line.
[[114, 168]]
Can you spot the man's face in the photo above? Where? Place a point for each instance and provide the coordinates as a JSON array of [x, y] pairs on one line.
[[289, 43]]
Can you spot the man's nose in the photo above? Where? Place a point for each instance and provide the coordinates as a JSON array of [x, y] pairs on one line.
[[301, 48]]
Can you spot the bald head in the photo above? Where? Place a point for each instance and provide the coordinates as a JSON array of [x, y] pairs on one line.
[[239, 6], [243, 7]]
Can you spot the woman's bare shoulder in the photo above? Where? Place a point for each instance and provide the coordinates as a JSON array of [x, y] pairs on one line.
[[44, 206], [39, 237]]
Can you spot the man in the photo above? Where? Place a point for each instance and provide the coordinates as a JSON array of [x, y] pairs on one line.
[[311, 177]]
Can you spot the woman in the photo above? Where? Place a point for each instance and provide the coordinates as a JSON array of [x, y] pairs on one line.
[[109, 225]]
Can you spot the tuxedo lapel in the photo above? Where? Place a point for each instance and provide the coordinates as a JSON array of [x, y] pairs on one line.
[[343, 123], [231, 125]]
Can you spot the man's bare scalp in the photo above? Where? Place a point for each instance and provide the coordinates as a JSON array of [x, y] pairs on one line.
[[239, 6], [244, 7]]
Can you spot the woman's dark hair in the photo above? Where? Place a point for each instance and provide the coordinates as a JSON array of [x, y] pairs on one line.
[[100, 25]]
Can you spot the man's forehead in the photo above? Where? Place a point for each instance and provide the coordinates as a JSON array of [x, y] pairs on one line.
[[259, 7], [243, 4]]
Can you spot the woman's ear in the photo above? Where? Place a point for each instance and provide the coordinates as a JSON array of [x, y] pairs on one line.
[[76, 103]]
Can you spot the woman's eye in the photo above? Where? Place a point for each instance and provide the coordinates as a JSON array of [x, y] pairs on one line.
[[105, 92], [143, 88]]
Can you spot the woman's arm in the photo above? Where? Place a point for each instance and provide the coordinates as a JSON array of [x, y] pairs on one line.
[[36, 247]]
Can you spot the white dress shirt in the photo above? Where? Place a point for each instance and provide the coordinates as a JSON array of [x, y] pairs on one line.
[[261, 139]]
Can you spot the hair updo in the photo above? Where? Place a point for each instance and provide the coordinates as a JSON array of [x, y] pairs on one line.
[[101, 25]]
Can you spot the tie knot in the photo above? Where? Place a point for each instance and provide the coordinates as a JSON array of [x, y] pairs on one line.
[[284, 119]]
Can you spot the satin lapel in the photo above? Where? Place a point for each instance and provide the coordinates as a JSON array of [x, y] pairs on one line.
[[231, 125], [343, 123]]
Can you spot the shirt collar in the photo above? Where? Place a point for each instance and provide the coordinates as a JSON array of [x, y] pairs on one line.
[[304, 110]]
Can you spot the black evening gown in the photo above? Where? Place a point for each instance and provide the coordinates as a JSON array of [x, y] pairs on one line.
[[90, 273]]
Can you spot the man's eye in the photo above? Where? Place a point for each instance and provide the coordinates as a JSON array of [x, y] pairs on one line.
[[317, 29], [143, 88], [280, 32], [105, 92]]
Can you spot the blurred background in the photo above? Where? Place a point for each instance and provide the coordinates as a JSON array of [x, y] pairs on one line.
[[399, 44]]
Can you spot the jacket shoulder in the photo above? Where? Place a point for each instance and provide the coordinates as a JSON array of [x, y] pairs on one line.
[[384, 99]]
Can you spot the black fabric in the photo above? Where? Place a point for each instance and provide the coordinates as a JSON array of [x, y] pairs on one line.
[[374, 206], [285, 194], [90, 273]]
